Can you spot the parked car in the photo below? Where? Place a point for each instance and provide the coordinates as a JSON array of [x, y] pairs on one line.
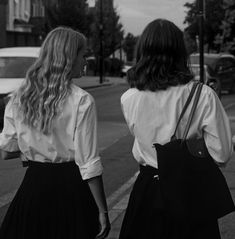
[[125, 68], [209, 80], [220, 71], [14, 63]]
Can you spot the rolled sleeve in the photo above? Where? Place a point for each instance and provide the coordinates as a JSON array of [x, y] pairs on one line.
[[85, 140], [91, 169], [8, 136], [217, 130]]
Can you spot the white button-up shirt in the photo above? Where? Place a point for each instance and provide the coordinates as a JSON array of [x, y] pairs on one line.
[[152, 118], [73, 137]]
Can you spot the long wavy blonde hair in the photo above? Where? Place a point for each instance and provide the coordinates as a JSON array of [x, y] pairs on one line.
[[48, 81]]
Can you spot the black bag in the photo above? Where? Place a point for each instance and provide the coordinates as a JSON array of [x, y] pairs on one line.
[[193, 187]]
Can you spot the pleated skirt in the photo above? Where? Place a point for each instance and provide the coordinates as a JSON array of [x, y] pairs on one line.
[[146, 216], [53, 202]]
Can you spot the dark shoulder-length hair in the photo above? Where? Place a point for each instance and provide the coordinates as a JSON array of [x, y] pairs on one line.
[[161, 58]]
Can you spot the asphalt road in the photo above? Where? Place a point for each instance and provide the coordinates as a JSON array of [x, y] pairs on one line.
[[114, 139]]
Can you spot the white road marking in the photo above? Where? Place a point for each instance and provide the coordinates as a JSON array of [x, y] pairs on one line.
[[113, 197], [7, 198], [229, 106], [121, 204]]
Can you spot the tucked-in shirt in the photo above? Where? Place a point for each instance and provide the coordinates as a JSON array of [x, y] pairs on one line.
[[152, 118], [73, 136]]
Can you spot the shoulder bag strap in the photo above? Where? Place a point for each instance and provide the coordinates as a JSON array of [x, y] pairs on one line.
[[197, 96], [173, 137]]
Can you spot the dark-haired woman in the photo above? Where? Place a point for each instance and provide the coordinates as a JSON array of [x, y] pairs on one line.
[[53, 123], [160, 82]]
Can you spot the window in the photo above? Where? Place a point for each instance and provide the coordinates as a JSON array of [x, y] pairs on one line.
[[225, 64], [38, 9], [16, 8]]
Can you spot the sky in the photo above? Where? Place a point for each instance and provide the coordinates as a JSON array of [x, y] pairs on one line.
[[136, 14]]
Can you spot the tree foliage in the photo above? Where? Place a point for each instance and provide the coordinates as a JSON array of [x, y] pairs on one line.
[[214, 15], [129, 46], [112, 32], [72, 13], [191, 44], [226, 40]]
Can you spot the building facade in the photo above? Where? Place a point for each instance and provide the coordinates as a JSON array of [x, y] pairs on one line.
[[3, 23], [23, 22]]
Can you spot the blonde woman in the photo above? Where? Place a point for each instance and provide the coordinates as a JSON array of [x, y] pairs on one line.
[[53, 123]]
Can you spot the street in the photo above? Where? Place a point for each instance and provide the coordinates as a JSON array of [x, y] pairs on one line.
[[115, 145]]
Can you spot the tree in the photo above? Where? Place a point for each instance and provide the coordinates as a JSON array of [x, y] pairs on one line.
[[226, 40], [129, 46], [72, 13], [214, 14], [112, 32], [191, 44]]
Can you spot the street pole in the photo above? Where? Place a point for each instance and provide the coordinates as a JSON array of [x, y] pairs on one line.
[[201, 37], [121, 50], [101, 60]]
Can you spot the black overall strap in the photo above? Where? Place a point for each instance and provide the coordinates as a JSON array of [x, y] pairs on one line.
[[199, 89], [173, 137]]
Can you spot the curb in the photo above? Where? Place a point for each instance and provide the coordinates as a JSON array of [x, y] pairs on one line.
[[96, 86]]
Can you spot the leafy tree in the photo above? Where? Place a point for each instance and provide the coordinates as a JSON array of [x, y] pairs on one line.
[[191, 44], [129, 46], [72, 13], [214, 14], [226, 40], [112, 32]]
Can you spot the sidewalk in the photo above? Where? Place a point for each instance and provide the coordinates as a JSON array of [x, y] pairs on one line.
[[88, 82]]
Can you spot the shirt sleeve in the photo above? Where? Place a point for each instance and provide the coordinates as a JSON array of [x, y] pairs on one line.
[[85, 139], [8, 136], [217, 130], [128, 110]]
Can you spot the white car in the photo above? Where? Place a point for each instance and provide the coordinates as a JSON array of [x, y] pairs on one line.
[[14, 63], [125, 68], [196, 71]]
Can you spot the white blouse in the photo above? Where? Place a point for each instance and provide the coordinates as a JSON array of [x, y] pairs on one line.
[[73, 137], [152, 118]]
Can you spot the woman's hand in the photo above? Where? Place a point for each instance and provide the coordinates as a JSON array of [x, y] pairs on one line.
[[104, 225]]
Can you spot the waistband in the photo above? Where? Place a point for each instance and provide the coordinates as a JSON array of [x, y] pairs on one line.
[[31, 163], [149, 170]]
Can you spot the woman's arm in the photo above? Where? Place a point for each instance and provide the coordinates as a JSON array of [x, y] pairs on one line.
[[97, 190], [88, 159], [217, 130], [8, 136]]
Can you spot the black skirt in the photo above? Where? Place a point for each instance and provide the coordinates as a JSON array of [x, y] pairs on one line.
[[53, 202], [146, 216]]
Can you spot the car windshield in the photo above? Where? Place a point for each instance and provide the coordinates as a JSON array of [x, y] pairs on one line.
[[15, 67], [194, 59], [196, 71]]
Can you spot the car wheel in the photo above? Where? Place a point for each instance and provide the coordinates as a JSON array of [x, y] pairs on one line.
[[215, 84]]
